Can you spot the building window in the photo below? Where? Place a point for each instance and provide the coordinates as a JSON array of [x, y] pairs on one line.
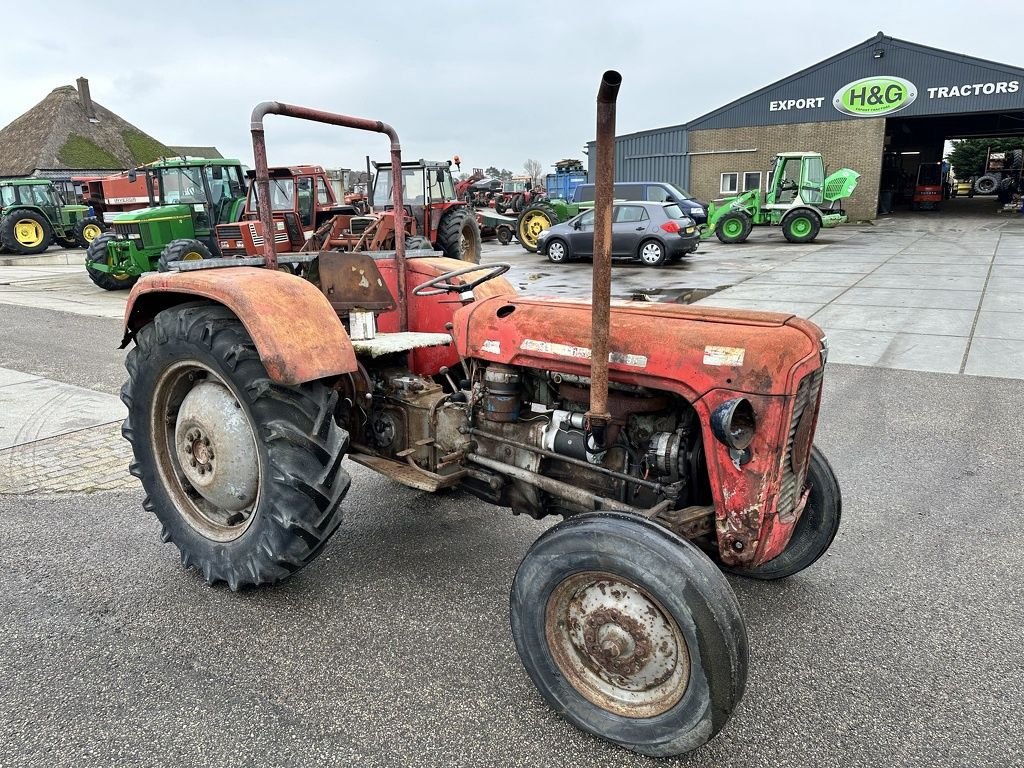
[[751, 180], [729, 182]]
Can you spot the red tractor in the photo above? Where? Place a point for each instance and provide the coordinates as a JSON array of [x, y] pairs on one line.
[[676, 442], [111, 195]]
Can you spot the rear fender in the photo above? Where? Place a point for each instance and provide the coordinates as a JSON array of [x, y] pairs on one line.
[[297, 333]]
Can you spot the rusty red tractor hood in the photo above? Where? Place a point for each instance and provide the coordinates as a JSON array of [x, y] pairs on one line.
[[708, 356]]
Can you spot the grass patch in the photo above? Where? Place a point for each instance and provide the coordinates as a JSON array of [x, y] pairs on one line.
[[144, 148], [79, 152]]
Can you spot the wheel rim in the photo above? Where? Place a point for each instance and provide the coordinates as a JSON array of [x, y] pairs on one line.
[[732, 227], [616, 645], [651, 253], [534, 223], [556, 251], [192, 256], [28, 232], [90, 232], [801, 226], [205, 451]]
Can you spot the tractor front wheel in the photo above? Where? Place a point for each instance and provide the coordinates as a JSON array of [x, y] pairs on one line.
[[630, 632], [734, 227], [801, 226], [25, 232], [244, 474], [185, 249], [87, 230], [458, 235], [814, 531], [532, 221], [98, 253]]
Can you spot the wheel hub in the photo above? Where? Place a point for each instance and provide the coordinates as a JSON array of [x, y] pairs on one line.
[[215, 447], [616, 645]]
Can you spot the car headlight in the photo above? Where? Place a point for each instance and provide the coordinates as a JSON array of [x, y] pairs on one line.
[[733, 423]]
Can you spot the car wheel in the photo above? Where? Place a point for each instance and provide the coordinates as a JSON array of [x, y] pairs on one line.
[[652, 253], [557, 251]]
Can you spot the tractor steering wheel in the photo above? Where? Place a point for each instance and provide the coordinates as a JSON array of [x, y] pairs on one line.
[[440, 284]]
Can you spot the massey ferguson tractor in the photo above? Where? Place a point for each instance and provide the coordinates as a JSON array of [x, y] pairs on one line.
[[675, 442]]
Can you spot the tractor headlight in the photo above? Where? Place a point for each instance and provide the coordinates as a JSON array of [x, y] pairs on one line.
[[733, 423]]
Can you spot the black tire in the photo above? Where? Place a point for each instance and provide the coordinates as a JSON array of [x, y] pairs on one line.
[[16, 227], [815, 530], [801, 225], [97, 253], [418, 243], [734, 227], [533, 220], [651, 253], [297, 448], [504, 233], [517, 203], [458, 235], [986, 185], [558, 251], [87, 230], [689, 614], [499, 207], [185, 249], [1015, 157]]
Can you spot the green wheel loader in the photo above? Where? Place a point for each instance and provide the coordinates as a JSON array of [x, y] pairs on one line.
[[800, 200]]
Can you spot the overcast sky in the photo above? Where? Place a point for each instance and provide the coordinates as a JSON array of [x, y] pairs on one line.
[[495, 82]]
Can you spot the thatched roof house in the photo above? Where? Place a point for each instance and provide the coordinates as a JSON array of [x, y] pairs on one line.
[[68, 134]]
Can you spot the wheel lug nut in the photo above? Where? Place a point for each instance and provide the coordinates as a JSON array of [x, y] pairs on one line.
[[206, 441], [194, 462]]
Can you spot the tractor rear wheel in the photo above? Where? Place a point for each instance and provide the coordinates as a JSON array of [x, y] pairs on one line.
[[499, 207], [815, 530], [801, 226], [630, 632], [185, 249], [98, 253], [243, 474], [26, 232], [532, 221], [734, 227], [87, 230], [458, 235]]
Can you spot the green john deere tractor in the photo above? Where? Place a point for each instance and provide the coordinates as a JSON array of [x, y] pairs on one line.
[[537, 217], [33, 215], [800, 200], [188, 198]]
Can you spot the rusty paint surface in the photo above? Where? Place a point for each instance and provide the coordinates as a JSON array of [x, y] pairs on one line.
[[759, 355], [297, 333]]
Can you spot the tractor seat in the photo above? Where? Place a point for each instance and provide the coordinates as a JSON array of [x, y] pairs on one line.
[[356, 290], [392, 343]]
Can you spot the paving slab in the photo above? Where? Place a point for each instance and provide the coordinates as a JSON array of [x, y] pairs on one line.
[[909, 351], [999, 325], [808, 294], [40, 408], [996, 357], [890, 268], [898, 297], [1005, 285], [839, 265], [932, 282], [1008, 270], [936, 322], [938, 257], [1004, 301], [778, 277]]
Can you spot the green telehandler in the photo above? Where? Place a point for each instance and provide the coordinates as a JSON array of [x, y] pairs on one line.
[[800, 200], [33, 214], [188, 198]]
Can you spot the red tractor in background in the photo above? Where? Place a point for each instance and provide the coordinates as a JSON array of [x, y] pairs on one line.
[[676, 441], [308, 217], [111, 195], [930, 189]]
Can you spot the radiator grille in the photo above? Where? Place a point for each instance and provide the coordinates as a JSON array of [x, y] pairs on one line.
[[359, 224], [126, 229], [793, 480], [229, 232]]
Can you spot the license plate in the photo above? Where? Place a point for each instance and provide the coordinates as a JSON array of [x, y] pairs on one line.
[[689, 230]]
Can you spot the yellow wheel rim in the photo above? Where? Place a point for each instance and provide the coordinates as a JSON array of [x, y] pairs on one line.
[[119, 276], [192, 256], [533, 224], [28, 232], [90, 232]]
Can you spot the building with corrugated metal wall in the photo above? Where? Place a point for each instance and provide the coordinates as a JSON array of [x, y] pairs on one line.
[[882, 107]]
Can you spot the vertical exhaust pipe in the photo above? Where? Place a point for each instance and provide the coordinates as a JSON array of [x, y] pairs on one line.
[[598, 415]]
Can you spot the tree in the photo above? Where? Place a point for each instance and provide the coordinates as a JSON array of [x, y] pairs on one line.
[[533, 169], [968, 155], [492, 173]]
